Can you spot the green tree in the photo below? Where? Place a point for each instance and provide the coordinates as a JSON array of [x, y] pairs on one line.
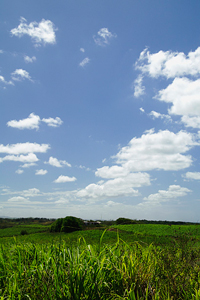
[[124, 221], [67, 224], [71, 224]]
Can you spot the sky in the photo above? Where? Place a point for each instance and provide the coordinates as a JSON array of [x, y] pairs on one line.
[[100, 109]]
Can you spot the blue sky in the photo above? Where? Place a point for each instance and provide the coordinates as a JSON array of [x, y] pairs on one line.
[[100, 109]]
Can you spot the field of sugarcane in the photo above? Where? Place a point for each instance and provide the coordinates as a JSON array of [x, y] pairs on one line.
[[119, 262]]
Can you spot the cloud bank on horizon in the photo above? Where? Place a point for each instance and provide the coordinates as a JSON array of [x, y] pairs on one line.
[[121, 134]]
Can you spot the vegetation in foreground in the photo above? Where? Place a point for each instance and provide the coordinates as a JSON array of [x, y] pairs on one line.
[[98, 268]]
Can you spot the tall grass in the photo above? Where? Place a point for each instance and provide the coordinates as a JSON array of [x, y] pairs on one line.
[[99, 271]]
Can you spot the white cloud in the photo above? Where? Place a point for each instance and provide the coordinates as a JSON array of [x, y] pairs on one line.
[[28, 165], [142, 110], [169, 64], [31, 192], [24, 193], [41, 172], [192, 175], [184, 94], [32, 122], [57, 163], [40, 33], [138, 87], [111, 203], [82, 50], [173, 192], [20, 74], [193, 122], [24, 148], [104, 36], [18, 199], [30, 158], [84, 62], [152, 151], [2, 79], [83, 167], [62, 201], [62, 179], [121, 186], [157, 115], [53, 122], [28, 59], [111, 172], [19, 171]]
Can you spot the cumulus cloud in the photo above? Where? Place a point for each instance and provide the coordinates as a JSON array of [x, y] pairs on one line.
[[103, 37], [28, 165], [24, 193], [20, 74], [173, 192], [82, 50], [193, 122], [163, 150], [53, 122], [84, 62], [138, 87], [33, 121], [28, 59], [62, 179], [192, 175], [169, 64], [40, 33], [53, 161], [121, 186], [18, 199], [30, 192], [111, 172], [41, 172], [152, 151], [111, 203], [19, 171], [24, 148], [23, 152], [62, 201], [29, 158], [184, 94]]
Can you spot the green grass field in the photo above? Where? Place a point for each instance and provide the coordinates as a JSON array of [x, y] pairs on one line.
[[16, 230], [139, 261]]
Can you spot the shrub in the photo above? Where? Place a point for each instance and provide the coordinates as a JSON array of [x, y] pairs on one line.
[[71, 224], [67, 224], [125, 221]]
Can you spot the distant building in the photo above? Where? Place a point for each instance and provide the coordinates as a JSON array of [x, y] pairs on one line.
[[86, 223]]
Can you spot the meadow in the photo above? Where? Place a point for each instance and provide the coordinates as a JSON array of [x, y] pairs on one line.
[[132, 261]]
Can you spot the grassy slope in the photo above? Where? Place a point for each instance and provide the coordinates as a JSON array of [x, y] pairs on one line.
[[97, 264], [143, 233], [16, 230]]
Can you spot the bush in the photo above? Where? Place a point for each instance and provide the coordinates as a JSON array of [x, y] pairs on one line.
[[71, 224], [67, 224], [125, 221]]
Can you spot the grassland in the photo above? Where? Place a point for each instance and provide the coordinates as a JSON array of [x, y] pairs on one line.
[[139, 261]]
